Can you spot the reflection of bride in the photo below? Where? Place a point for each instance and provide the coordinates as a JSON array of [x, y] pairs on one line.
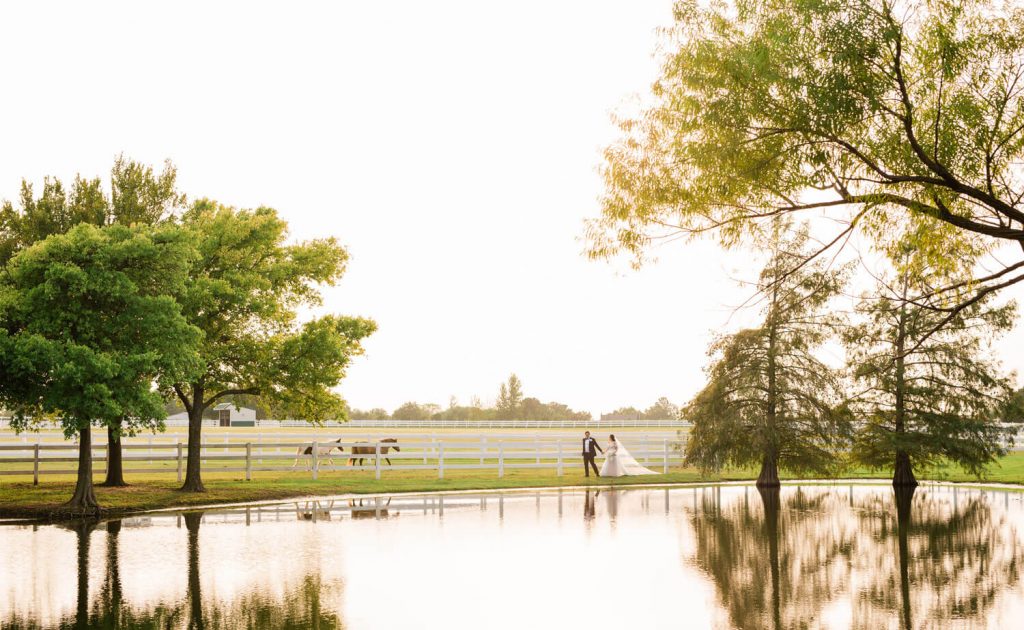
[[618, 461]]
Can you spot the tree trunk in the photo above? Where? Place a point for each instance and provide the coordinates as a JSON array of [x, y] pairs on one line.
[[904, 498], [772, 506], [195, 598], [115, 470], [83, 501], [193, 478], [83, 531], [903, 472], [903, 475], [110, 612], [769, 477]]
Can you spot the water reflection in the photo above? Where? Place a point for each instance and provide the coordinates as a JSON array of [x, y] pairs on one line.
[[799, 559], [770, 557], [933, 561], [695, 557]]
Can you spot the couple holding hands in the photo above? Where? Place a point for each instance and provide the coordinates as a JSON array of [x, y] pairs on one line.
[[617, 460]]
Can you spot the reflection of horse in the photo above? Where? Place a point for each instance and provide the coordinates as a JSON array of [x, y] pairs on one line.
[[321, 451], [313, 511], [370, 509], [366, 448]]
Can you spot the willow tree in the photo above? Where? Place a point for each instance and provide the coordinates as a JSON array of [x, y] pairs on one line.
[[769, 399], [244, 293], [865, 111], [927, 393], [89, 332]]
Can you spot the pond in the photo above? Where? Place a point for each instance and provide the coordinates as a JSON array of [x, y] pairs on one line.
[[685, 557]]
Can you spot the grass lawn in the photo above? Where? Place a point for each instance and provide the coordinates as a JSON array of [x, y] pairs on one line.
[[154, 491]]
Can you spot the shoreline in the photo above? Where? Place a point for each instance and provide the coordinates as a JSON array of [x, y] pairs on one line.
[[223, 494]]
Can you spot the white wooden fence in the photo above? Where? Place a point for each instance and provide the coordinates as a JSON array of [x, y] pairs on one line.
[[439, 453]]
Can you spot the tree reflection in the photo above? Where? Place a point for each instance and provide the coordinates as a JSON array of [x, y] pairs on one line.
[[297, 607], [772, 564], [936, 562], [195, 597], [929, 562]]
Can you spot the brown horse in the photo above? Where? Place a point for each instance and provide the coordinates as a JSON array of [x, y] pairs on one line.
[[370, 449]]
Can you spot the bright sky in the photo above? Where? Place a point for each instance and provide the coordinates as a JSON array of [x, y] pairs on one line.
[[452, 146]]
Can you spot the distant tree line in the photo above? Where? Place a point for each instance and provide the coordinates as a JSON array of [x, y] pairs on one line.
[[662, 409], [511, 404]]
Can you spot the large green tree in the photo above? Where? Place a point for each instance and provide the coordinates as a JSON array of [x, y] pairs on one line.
[[769, 400], [135, 194], [924, 396], [89, 332], [867, 111], [244, 293]]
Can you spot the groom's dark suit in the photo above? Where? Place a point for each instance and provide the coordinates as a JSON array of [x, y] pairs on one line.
[[590, 449]]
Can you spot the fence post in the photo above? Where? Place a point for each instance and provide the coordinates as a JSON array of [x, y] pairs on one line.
[[483, 449], [559, 457], [440, 460], [316, 460], [376, 460], [536, 446], [501, 459], [248, 462], [179, 461], [35, 466], [665, 453]]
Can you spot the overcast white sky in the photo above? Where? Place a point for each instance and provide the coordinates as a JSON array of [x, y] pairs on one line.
[[452, 146]]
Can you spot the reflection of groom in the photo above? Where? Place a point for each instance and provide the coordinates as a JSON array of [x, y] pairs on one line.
[[590, 449]]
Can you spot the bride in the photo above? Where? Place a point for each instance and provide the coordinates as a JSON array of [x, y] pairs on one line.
[[618, 461]]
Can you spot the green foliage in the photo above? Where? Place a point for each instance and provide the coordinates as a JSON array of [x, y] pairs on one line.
[[931, 395], [138, 196], [510, 397], [662, 409], [1013, 409], [89, 332], [244, 293], [372, 414], [876, 113], [511, 405], [769, 400], [412, 411]]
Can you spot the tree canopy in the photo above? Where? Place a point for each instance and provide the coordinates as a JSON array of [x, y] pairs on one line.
[[924, 396], [244, 292], [871, 112], [89, 331], [137, 195], [769, 400]]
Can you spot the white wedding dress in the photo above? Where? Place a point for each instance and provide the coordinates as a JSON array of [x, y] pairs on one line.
[[618, 462]]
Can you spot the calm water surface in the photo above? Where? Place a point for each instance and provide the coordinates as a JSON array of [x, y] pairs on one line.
[[706, 557]]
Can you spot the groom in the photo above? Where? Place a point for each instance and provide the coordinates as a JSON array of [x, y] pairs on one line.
[[589, 453]]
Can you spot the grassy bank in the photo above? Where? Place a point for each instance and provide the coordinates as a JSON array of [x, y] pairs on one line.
[[23, 500]]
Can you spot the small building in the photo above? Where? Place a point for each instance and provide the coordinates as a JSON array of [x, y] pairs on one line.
[[230, 416]]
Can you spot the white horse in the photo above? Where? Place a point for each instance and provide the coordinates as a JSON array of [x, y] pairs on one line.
[[321, 452]]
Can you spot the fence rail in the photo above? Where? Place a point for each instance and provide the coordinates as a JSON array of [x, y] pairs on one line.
[[435, 454]]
